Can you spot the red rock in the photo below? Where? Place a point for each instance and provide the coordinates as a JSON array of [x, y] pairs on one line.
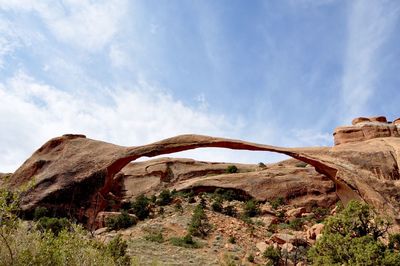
[[295, 213], [73, 175], [315, 231]]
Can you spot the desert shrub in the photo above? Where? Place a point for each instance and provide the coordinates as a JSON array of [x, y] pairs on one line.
[[55, 225], [116, 248], [320, 213], [301, 164], [231, 169], [217, 205], [164, 198], [155, 237], [251, 208], [227, 194], [250, 258], [141, 207], [275, 203], [296, 224], [39, 213], [199, 225], [153, 199], [261, 165], [178, 207], [123, 220], [230, 211], [187, 241], [352, 237], [70, 247], [394, 241], [273, 255], [232, 240]]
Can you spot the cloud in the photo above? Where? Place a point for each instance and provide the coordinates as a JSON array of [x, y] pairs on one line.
[[370, 25], [32, 112], [87, 24]]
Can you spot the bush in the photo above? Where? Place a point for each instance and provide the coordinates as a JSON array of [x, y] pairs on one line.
[[352, 237], [217, 205], [231, 169], [116, 248], [251, 208], [275, 203], [164, 198], [140, 207], [230, 211], [232, 240], [55, 225], [155, 237], [250, 258], [261, 165], [199, 225], [39, 213], [301, 164], [187, 241], [274, 255], [227, 194], [123, 220]]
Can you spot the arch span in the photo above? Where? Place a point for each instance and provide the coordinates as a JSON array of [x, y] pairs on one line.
[[76, 174]]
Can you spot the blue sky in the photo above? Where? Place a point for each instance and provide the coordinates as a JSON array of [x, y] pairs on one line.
[[132, 72]]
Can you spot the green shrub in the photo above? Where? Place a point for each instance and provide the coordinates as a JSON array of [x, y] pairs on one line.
[[117, 249], [199, 225], [178, 207], [301, 164], [230, 211], [164, 198], [227, 194], [155, 237], [140, 207], [274, 256], [231, 169], [39, 213], [251, 208], [55, 225], [261, 165], [275, 203], [352, 238], [187, 241], [217, 205], [296, 224], [123, 220], [232, 240], [250, 258]]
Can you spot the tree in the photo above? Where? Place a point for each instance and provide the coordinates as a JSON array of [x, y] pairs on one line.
[[353, 237]]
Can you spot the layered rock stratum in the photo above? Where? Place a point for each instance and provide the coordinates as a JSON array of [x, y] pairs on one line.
[[77, 176]]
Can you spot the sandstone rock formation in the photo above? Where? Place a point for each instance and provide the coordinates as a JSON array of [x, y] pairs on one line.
[[288, 179], [366, 128], [74, 175]]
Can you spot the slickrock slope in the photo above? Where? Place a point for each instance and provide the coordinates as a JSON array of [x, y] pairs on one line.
[[291, 179], [74, 175]]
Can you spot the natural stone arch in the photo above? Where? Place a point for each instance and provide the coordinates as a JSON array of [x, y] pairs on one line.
[[73, 172]]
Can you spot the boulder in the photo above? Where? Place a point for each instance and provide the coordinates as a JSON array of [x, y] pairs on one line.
[[314, 231], [262, 246], [295, 213]]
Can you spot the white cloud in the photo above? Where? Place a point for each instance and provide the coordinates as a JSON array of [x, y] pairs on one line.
[[370, 25], [84, 23], [31, 113]]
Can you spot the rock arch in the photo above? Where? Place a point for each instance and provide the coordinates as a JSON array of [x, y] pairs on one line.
[[74, 174]]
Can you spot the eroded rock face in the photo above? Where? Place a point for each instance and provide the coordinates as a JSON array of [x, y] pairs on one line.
[[289, 179], [77, 176], [366, 128]]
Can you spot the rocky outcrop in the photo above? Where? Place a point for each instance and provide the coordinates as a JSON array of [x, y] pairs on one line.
[[77, 176], [289, 179], [366, 128]]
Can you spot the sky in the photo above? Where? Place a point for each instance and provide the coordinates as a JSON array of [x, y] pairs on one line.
[[284, 72]]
